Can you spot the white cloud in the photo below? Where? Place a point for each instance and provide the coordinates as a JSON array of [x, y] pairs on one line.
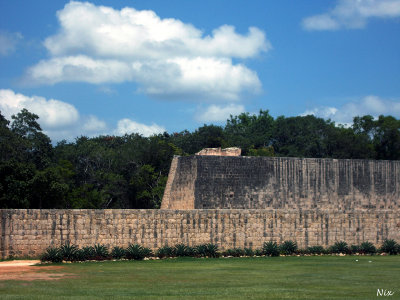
[[53, 113], [136, 34], [79, 68], [127, 126], [210, 78], [353, 14], [216, 113], [61, 120], [8, 42], [369, 105], [166, 57], [93, 124]]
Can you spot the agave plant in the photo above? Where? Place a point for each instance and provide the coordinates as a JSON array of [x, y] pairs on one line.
[[355, 249], [101, 252], [165, 251], [288, 248], [118, 252], [316, 249], [248, 252], [69, 252], [80, 255], [270, 249], [235, 252], [339, 247], [137, 252], [52, 254], [183, 250], [207, 250], [228, 252], [259, 252], [367, 248], [88, 253], [391, 247]]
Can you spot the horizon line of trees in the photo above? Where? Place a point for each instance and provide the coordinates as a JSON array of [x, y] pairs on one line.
[[131, 171]]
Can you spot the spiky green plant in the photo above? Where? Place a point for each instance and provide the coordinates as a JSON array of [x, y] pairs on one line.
[[391, 247], [69, 252], [367, 248], [207, 250], [303, 251], [101, 252], [235, 252], [339, 247], [355, 249], [270, 249], [316, 249], [165, 251], [88, 253], [52, 254], [118, 252], [137, 252], [258, 252], [288, 248], [183, 250], [80, 255], [248, 252]]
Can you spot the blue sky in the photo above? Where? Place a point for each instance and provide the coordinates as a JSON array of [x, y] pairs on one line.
[[115, 67]]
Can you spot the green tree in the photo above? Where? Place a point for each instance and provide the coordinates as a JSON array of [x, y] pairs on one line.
[[250, 131], [387, 138], [300, 136], [8, 141], [148, 186], [34, 144], [16, 184]]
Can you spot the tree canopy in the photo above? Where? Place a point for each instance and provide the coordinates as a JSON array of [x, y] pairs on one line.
[[131, 171]]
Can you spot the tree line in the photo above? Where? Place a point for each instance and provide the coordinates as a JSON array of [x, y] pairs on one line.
[[131, 171]]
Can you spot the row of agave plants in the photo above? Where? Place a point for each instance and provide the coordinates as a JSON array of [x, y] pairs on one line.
[[70, 252]]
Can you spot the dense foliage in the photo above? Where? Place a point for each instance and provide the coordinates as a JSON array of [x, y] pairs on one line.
[[130, 171], [68, 252]]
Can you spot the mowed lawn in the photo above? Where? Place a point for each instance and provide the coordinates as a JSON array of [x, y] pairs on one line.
[[317, 277]]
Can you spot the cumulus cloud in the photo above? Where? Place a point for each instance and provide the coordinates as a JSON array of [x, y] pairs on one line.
[[61, 120], [127, 126], [370, 105], [217, 113], [93, 124], [353, 14], [166, 57], [53, 113], [79, 68], [8, 42]]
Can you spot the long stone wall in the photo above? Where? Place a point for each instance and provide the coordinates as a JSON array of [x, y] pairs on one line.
[[210, 182], [30, 232]]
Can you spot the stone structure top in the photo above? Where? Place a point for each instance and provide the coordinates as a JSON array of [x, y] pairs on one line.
[[232, 151], [214, 181]]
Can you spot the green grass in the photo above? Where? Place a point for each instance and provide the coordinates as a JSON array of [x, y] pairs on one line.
[[314, 277]]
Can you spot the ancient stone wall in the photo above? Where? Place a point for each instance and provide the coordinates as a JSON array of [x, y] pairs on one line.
[[30, 232], [284, 183], [232, 202], [179, 190]]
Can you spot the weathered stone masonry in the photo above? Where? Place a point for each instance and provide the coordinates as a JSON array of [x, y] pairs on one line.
[[233, 202], [283, 183], [30, 232]]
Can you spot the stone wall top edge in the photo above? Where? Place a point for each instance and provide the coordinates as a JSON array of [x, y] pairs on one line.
[[222, 211], [210, 157]]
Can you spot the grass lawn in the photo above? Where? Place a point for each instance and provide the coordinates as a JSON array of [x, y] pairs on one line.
[[316, 277]]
